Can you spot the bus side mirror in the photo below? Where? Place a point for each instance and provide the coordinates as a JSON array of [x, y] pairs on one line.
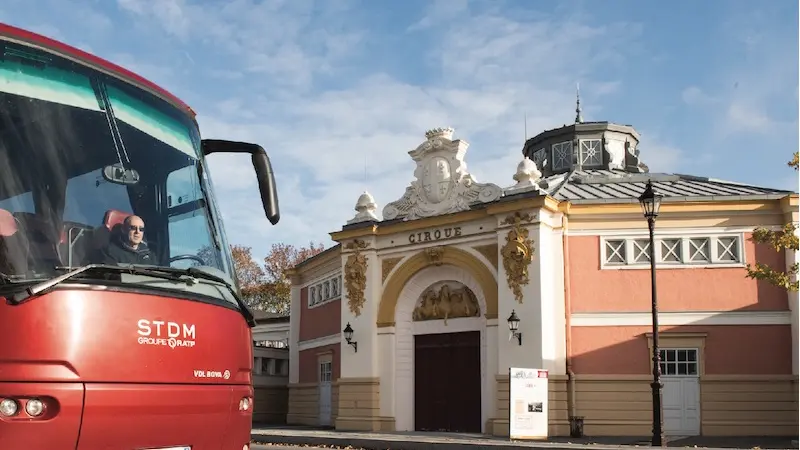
[[262, 165]]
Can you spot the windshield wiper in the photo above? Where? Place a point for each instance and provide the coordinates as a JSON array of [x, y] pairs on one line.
[[166, 273], [197, 273], [44, 286], [6, 279]]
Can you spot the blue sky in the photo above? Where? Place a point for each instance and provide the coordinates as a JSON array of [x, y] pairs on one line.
[[712, 86]]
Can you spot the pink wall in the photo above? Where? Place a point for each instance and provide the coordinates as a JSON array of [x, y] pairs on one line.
[[713, 289], [320, 321], [309, 363], [735, 349]]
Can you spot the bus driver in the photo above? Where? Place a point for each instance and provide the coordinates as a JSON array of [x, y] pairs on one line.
[[128, 247]]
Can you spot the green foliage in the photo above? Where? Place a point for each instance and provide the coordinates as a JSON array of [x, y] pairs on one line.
[[780, 240]]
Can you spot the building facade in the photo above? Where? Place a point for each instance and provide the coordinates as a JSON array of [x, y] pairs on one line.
[[427, 290], [270, 368]]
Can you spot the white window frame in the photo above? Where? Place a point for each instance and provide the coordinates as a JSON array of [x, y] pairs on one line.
[[668, 247], [676, 363], [613, 246], [687, 249], [590, 144], [325, 360]]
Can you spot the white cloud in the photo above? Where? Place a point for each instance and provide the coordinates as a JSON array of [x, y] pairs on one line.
[[488, 78], [659, 156], [275, 38], [487, 69], [749, 118]]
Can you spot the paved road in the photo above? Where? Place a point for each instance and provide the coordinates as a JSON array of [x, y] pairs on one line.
[[306, 438]]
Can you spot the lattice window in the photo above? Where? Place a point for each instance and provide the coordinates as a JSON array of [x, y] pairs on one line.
[[699, 250], [335, 287], [615, 252], [540, 158], [562, 155], [591, 153], [641, 250], [312, 295], [325, 291], [671, 250], [678, 361], [728, 249]]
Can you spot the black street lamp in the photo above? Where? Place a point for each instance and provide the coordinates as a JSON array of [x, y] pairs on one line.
[[651, 202], [348, 336], [513, 327]]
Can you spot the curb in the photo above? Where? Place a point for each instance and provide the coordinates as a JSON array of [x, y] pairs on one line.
[[438, 444], [346, 440]]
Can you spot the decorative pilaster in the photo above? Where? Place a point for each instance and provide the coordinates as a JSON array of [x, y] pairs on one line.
[[359, 385], [532, 260]]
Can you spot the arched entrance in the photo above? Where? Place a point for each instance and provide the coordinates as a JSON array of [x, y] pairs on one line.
[[447, 362], [441, 381]]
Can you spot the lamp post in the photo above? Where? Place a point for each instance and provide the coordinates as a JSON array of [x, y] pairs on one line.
[[651, 202], [348, 337], [513, 327]]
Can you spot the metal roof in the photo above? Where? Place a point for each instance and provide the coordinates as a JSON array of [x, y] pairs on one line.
[[620, 186], [616, 186]]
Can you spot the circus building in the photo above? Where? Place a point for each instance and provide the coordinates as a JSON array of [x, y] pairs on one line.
[[403, 325]]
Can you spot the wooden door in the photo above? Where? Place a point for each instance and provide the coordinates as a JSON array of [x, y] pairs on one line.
[[447, 382]]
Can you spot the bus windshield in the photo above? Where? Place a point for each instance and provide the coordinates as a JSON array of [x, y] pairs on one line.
[[80, 153]]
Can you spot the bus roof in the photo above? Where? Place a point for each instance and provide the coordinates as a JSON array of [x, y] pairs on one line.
[[53, 46]]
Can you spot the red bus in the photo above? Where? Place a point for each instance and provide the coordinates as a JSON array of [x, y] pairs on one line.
[[152, 350]]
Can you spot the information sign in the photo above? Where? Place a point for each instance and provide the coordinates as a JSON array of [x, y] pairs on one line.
[[527, 403]]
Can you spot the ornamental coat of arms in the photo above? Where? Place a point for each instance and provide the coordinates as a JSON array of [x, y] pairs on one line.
[[442, 184]]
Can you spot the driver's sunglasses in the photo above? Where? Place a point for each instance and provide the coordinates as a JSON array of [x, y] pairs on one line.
[[135, 228]]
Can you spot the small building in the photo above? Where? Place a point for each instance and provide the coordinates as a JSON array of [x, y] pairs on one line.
[[270, 368], [427, 288]]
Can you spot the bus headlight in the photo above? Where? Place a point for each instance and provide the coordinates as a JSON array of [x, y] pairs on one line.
[[244, 404], [9, 407], [34, 407]]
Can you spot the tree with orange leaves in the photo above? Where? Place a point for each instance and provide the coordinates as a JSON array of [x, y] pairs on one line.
[[249, 273], [266, 287]]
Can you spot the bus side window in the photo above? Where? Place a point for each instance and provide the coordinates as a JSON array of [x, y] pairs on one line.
[[188, 225]]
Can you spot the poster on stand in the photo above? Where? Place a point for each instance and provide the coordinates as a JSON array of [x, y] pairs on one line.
[[527, 403]]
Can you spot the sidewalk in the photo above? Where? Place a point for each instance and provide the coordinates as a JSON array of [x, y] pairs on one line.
[[290, 435]]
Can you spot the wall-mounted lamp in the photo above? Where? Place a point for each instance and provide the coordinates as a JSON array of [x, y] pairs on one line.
[[513, 326], [348, 336]]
